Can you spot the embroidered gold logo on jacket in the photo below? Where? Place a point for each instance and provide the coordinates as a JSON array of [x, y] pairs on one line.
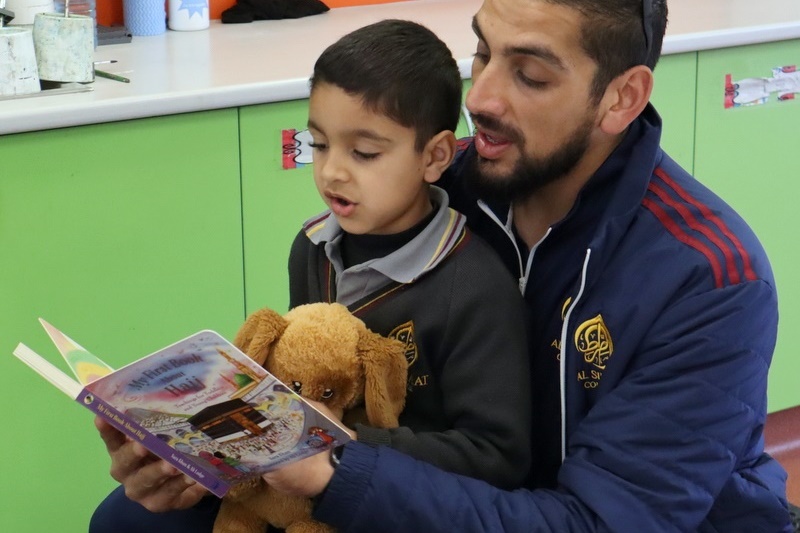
[[593, 340], [405, 334]]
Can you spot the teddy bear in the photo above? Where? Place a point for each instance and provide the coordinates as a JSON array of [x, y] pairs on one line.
[[326, 354]]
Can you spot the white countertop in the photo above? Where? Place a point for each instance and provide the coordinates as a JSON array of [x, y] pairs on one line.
[[231, 65]]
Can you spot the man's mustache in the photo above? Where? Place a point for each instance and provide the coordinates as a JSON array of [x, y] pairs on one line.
[[502, 130]]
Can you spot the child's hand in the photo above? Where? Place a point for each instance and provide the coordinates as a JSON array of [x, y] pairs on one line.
[[148, 480]]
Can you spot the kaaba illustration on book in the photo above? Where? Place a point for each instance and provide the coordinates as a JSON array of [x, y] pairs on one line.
[[200, 404]]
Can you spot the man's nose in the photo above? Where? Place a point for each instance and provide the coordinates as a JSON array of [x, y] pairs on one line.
[[487, 96]]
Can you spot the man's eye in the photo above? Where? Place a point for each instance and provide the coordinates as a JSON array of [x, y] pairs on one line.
[[535, 84], [480, 56]]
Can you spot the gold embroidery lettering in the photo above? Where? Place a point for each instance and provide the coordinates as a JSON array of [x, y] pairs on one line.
[[593, 340], [421, 381]]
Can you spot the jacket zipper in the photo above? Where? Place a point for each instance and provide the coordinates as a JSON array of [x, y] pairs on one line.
[[523, 282], [563, 357], [525, 271]]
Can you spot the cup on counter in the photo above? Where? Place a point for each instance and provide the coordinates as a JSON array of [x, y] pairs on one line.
[[64, 47], [144, 17], [18, 70], [187, 15]]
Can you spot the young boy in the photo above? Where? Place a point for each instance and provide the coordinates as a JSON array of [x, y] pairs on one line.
[[385, 101]]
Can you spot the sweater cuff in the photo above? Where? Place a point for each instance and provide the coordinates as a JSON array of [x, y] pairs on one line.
[[373, 436], [341, 499]]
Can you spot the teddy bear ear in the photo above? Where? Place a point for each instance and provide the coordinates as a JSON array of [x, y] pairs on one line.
[[258, 332], [385, 373]]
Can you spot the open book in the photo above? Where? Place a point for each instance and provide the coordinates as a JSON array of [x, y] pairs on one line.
[[200, 404]]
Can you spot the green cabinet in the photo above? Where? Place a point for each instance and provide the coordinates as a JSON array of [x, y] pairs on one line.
[[275, 202], [746, 154], [127, 236], [674, 98]]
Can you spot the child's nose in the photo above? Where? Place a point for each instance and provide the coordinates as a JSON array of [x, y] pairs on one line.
[[334, 169]]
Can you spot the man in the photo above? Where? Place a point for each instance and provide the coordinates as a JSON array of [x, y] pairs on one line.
[[653, 307]]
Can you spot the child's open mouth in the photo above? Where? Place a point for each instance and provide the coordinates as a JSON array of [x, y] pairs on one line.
[[340, 206]]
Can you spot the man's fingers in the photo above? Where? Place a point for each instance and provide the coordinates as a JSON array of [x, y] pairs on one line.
[[129, 459], [177, 492], [142, 479], [113, 438], [148, 480]]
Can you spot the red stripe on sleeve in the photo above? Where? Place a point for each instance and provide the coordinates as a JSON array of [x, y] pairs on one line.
[[679, 234], [683, 211], [749, 274]]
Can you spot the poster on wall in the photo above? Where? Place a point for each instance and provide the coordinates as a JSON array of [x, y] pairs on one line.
[[296, 148], [784, 82]]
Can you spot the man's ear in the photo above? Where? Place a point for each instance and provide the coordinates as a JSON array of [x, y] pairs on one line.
[[438, 154], [625, 98]]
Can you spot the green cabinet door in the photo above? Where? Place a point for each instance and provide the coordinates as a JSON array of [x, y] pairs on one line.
[[275, 202], [747, 155], [674, 98], [128, 237]]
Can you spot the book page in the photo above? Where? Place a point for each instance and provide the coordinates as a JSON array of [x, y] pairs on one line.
[[47, 370]]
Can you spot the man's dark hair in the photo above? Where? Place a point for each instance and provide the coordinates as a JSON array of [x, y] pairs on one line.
[[620, 34], [398, 68]]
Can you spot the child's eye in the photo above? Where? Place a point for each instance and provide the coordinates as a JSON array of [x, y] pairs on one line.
[[366, 155], [317, 146]]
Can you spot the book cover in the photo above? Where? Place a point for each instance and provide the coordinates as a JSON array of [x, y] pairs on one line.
[[200, 404]]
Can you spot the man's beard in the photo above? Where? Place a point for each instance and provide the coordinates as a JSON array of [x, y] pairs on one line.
[[530, 173]]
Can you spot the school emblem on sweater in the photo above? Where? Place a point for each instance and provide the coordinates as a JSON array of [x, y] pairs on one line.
[[593, 340], [405, 334]]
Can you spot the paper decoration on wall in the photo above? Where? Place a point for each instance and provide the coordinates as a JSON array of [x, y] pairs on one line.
[[785, 81], [297, 151]]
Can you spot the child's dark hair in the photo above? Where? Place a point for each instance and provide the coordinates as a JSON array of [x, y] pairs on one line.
[[398, 68]]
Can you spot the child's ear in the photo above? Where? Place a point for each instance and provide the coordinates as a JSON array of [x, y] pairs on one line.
[[438, 154]]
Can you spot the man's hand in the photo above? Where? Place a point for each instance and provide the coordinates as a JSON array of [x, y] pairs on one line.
[[307, 477], [148, 480]]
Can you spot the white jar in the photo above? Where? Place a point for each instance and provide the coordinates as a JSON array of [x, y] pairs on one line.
[[19, 73], [188, 15], [64, 47]]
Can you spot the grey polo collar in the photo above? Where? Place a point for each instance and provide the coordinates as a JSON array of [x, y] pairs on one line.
[[420, 255]]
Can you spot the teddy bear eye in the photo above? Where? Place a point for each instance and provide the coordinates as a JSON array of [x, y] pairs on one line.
[[327, 394], [297, 387]]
